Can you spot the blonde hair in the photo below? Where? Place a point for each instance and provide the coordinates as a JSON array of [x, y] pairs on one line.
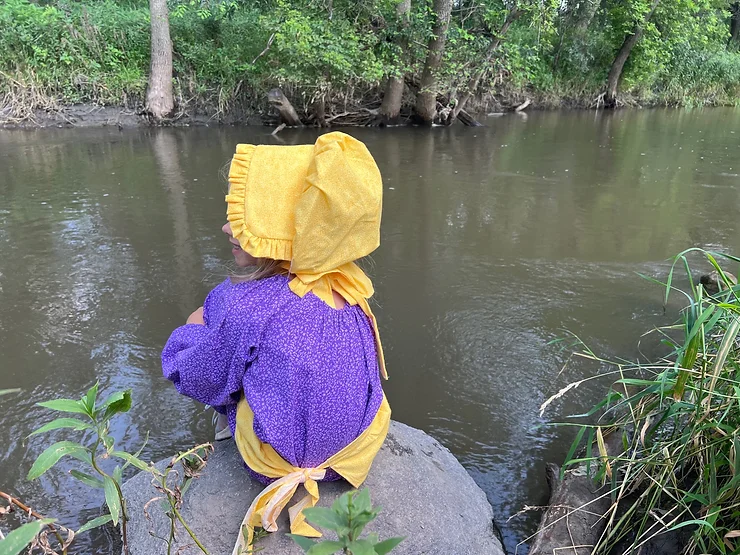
[[264, 268]]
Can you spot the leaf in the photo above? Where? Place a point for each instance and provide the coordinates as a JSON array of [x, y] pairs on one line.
[[360, 520], [118, 474], [138, 453], [118, 402], [386, 546], [688, 496], [73, 423], [603, 452], [131, 459], [95, 523], [64, 405], [712, 482], [589, 449], [341, 505], [571, 451], [325, 548], [112, 499], [303, 542], [108, 442], [361, 500], [325, 518], [361, 547], [86, 479], [18, 539], [691, 523], [89, 399], [52, 454]]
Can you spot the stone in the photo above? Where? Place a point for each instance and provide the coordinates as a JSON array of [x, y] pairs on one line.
[[424, 493], [713, 282]]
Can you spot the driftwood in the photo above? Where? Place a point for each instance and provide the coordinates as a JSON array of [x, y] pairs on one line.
[[319, 111], [280, 102], [523, 105], [446, 115], [468, 120], [574, 520], [358, 117]]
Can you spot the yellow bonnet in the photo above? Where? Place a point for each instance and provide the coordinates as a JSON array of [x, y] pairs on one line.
[[317, 207]]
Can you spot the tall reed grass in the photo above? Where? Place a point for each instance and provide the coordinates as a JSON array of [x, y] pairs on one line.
[[679, 467]]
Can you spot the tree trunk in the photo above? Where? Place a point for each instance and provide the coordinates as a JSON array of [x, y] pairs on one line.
[[615, 73], [584, 15], [390, 109], [319, 111], [159, 100], [426, 99], [734, 41], [475, 80]]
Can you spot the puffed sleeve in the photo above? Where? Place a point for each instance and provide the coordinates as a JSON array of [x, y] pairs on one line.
[[207, 362]]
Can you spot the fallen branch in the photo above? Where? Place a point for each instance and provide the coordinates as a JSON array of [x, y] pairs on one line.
[[468, 120], [280, 102], [278, 129], [269, 44], [565, 525], [23, 507], [523, 105], [343, 114], [29, 511]]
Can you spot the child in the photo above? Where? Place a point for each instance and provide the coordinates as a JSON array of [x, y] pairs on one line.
[[291, 353]]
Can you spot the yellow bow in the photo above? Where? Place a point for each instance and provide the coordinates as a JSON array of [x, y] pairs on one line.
[[352, 463]]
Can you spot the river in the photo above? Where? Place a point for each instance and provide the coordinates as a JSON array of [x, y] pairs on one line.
[[495, 241]]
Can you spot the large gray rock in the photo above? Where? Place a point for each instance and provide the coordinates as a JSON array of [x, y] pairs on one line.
[[424, 492]]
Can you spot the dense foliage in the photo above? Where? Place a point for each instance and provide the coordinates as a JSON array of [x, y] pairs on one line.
[[228, 53]]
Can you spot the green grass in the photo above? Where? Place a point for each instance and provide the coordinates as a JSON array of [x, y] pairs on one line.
[[679, 418]]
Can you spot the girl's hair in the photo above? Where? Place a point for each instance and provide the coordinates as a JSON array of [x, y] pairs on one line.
[[264, 268]]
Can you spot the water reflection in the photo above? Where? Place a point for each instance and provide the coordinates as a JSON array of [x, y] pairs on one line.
[[495, 240]]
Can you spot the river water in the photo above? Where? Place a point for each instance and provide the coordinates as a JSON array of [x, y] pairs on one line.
[[495, 241]]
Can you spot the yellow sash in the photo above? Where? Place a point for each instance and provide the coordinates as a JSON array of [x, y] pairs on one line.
[[352, 463]]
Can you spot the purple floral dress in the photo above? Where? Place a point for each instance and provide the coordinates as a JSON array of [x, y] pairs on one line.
[[308, 371]]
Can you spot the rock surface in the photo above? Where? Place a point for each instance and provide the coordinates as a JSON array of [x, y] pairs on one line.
[[424, 492], [713, 282]]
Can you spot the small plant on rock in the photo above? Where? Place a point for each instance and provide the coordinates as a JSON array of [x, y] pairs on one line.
[[347, 517]]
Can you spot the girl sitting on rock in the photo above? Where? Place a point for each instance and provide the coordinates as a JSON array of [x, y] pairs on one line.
[[290, 353]]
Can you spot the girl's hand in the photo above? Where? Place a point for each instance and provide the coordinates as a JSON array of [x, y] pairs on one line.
[[196, 317]]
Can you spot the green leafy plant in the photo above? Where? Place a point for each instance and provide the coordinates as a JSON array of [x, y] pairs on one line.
[[93, 419], [679, 420], [347, 517]]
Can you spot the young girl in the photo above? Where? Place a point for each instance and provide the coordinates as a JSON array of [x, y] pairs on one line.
[[291, 352]]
